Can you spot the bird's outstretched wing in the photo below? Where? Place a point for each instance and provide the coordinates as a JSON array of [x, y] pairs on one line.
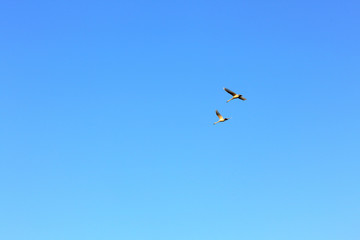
[[242, 98], [219, 115], [229, 91]]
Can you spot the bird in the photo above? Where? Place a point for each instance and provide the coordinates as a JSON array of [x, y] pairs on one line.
[[221, 119], [234, 95]]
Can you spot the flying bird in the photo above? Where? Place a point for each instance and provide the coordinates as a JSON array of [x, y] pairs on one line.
[[234, 95], [221, 119]]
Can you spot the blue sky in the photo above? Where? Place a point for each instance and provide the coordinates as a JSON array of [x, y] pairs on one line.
[[107, 110]]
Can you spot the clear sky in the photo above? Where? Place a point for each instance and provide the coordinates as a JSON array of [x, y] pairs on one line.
[[106, 112]]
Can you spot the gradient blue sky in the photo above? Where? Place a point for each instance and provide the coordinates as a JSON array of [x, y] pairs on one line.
[[106, 112]]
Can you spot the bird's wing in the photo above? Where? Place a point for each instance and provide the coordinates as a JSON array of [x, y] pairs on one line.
[[229, 91], [219, 115]]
